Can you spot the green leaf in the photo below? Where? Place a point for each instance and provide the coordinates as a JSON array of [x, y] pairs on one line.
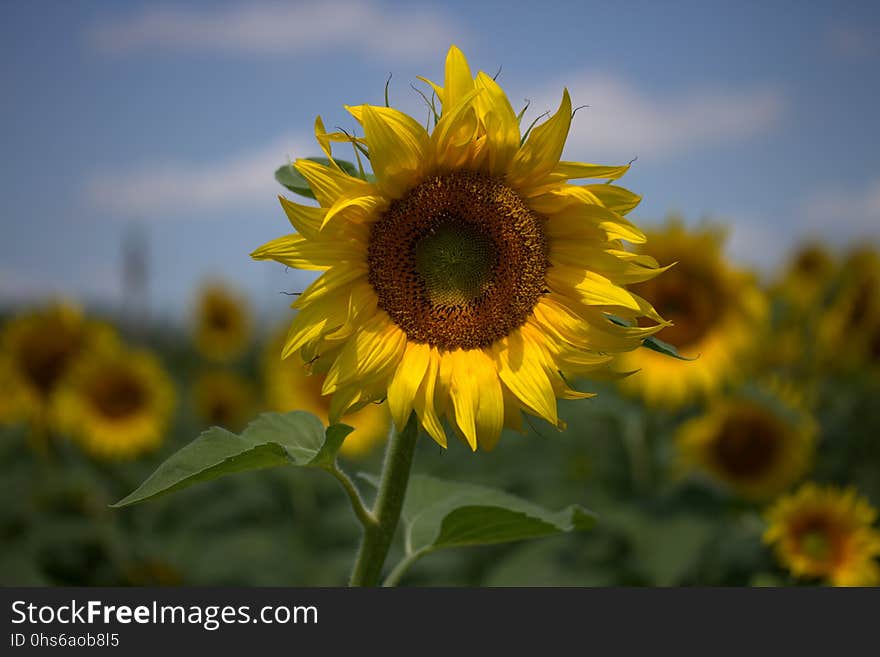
[[288, 176], [273, 439], [653, 343], [440, 514]]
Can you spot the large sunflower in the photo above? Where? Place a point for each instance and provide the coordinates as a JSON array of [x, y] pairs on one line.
[[116, 403], [222, 323], [715, 311], [290, 385], [470, 273], [39, 347], [827, 533], [758, 446]]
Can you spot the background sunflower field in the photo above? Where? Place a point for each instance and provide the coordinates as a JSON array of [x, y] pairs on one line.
[[131, 318]]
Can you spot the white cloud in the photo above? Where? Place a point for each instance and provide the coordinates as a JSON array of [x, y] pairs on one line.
[[176, 189], [841, 213], [623, 121], [271, 28]]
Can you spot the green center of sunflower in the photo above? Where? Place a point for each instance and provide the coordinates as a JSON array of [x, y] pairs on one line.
[[459, 261], [456, 263], [815, 545]]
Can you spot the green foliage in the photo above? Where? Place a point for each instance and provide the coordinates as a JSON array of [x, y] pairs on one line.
[[440, 514], [273, 439]]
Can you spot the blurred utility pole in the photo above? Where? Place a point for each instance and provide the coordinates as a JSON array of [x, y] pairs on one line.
[[135, 278]]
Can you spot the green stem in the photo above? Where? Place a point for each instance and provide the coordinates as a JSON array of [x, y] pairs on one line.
[[404, 565], [377, 537], [357, 503]]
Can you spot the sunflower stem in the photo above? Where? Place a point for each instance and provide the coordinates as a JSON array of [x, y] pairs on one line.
[[377, 537]]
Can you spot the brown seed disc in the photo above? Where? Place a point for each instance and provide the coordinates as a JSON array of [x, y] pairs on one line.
[[748, 444], [692, 297], [459, 261]]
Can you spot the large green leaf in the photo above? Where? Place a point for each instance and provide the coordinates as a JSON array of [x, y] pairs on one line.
[[273, 439], [288, 176], [440, 514]]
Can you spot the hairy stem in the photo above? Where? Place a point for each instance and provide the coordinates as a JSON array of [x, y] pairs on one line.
[[377, 536]]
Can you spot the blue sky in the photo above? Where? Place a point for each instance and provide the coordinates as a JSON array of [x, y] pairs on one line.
[[172, 117]]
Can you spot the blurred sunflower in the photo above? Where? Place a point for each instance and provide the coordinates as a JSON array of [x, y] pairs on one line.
[[826, 533], [39, 347], [807, 276], [224, 399], [848, 330], [715, 311], [116, 404], [222, 323], [470, 273], [291, 386], [756, 446]]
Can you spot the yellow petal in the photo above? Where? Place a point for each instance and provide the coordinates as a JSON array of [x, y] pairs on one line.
[[458, 81], [593, 289], [476, 397], [499, 122], [297, 251], [399, 147], [331, 282], [360, 208], [614, 198], [310, 323], [424, 400], [368, 356], [305, 219], [539, 156], [571, 170], [621, 267], [454, 137], [522, 373], [329, 184], [406, 381], [570, 208]]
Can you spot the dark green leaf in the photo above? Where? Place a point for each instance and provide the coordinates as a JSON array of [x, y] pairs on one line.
[[273, 439], [441, 514]]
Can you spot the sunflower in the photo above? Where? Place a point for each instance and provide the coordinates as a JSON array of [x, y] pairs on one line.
[[222, 323], [470, 273], [756, 446], [806, 277], [225, 399], [848, 331], [116, 403], [827, 533], [715, 311], [38, 348], [291, 385]]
